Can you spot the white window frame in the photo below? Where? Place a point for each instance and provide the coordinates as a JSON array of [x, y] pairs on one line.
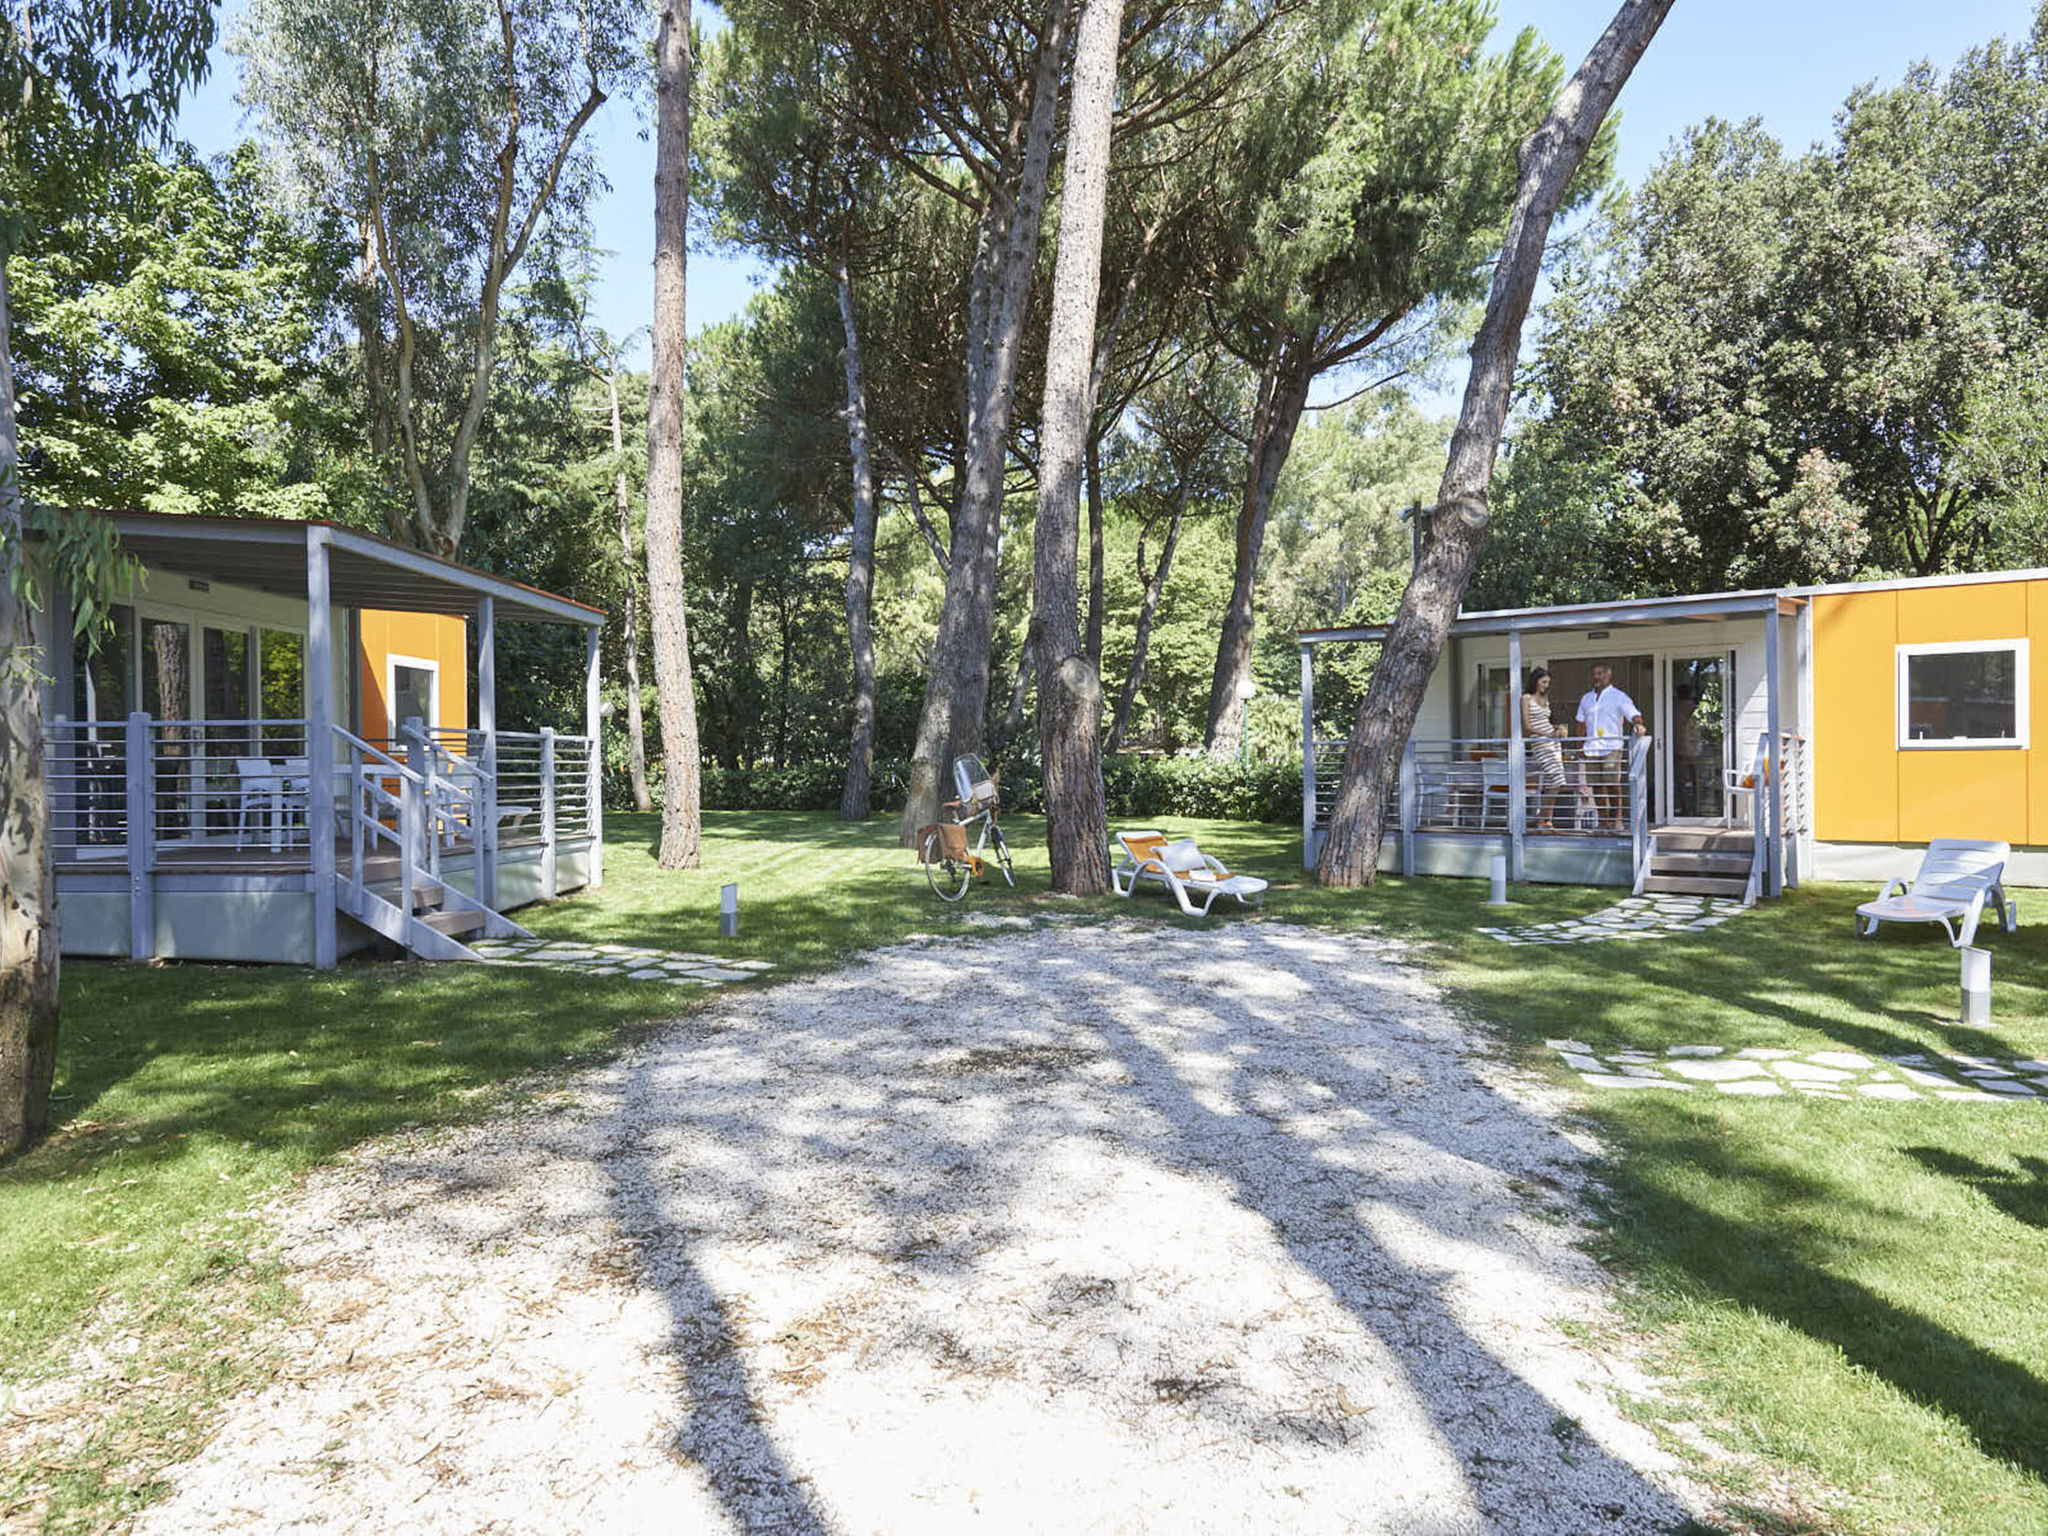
[[1903, 703], [426, 664]]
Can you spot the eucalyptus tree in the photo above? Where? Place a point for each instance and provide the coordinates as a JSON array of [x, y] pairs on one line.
[[1358, 206], [83, 85], [682, 829], [443, 131], [1553, 156]]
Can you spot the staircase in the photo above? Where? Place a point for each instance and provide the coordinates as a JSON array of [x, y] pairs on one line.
[[392, 881], [1703, 861]]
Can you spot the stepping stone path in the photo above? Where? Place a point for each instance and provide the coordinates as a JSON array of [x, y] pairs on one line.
[[634, 963], [1632, 918], [1764, 1072]]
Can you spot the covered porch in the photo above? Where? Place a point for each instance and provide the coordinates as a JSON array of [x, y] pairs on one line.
[[234, 775], [1710, 800]]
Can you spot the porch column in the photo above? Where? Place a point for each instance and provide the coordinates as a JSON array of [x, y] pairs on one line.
[[486, 830], [1308, 757], [1518, 760], [141, 775], [1773, 804], [320, 745], [1410, 796], [593, 727]]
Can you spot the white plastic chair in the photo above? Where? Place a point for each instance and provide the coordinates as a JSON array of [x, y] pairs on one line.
[[1957, 876], [270, 791]]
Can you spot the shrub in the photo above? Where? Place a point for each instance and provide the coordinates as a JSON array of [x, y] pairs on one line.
[[1147, 788]]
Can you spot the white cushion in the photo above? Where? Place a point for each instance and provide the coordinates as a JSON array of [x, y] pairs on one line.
[[1182, 856]]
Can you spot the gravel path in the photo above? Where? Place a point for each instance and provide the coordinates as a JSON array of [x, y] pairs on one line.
[[1082, 1230]]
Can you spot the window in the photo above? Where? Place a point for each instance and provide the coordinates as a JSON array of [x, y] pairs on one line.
[[413, 686], [1963, 694], [281, 685], [102, 670]]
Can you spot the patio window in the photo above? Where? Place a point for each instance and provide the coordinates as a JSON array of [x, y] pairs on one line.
[[102, 669], [1963, 694], [281, 683]]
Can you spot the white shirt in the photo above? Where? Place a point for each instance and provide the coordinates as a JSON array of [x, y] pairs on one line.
[[1606, 713]]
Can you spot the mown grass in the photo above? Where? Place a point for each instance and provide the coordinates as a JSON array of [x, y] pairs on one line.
[[1858, 1292]]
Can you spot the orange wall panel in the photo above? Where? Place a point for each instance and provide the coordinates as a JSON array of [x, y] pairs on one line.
[[1855, 774], [1985, 610], [436, 637], [1963, 794]]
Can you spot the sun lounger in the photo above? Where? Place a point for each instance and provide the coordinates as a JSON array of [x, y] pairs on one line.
[[1957, 877], [1190, 874]]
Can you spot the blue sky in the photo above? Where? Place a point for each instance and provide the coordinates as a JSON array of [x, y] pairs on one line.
[[1789, 62]]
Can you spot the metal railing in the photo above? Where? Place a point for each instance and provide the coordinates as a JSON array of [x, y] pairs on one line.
[[85, 774], [202, 796], [1516, 790]]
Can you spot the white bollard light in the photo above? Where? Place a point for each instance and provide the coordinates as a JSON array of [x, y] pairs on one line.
[[1976, 986], [729, 911], [1498, 872]]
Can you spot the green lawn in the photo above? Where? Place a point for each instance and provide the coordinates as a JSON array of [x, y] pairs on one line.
[[1859, 1291]]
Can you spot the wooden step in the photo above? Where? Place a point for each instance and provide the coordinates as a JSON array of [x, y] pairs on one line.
[[1686, 863], [454, 923], [1703, 840], [1696, 885]]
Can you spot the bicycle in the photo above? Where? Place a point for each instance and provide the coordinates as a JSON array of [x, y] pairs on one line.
[[949, 864]]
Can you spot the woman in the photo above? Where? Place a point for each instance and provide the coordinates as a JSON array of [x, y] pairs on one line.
[[1546, 757]]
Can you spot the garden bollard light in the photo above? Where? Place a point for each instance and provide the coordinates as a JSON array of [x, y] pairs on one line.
[[1976, 985], [1499, 871], [729, 911]]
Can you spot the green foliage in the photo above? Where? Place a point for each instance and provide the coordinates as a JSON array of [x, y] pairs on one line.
[[169, 342], [84, 82], [1765, 369]]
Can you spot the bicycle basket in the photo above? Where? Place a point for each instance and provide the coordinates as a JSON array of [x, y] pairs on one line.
[[952, 843]]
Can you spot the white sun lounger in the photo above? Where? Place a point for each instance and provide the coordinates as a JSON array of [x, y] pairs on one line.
[[1190, 874], [1957, 877]]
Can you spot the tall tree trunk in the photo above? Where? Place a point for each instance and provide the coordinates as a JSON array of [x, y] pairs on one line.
[[1069, 687], [1020, 688], [743, 698], [912, 484], [28, 895], [681, 800], [1155, 585], [636, 729], [860, 571], [956, 688], [1097, 596], [1283, 395], [1386, 716]]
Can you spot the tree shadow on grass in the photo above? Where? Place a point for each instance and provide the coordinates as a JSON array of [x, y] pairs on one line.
[[1782, 1270], [2020, 1191]]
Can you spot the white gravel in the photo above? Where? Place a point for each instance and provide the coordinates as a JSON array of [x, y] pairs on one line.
[[1081, 1230]]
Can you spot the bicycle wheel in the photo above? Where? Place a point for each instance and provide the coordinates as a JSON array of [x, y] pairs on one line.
[[1002, 854], [947, 879]]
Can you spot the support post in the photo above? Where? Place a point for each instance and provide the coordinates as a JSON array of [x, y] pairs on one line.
[[413, 731], [1773, 829], [485, 833], [1518, 761], [141, 838], [1308, 757], [593, 769], [549, 886], [1638, 808], [320, 746], [1410, 794]]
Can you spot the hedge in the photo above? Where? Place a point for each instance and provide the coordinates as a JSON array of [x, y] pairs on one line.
[[1136, 787]]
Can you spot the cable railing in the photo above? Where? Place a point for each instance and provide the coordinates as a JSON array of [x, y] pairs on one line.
[[85, 774], [1466, 784]]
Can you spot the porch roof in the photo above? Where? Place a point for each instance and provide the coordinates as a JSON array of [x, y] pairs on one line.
[[1702, 609], [364, 571]]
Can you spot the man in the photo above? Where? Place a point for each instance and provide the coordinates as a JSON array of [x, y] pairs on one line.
[[1608, 717]]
